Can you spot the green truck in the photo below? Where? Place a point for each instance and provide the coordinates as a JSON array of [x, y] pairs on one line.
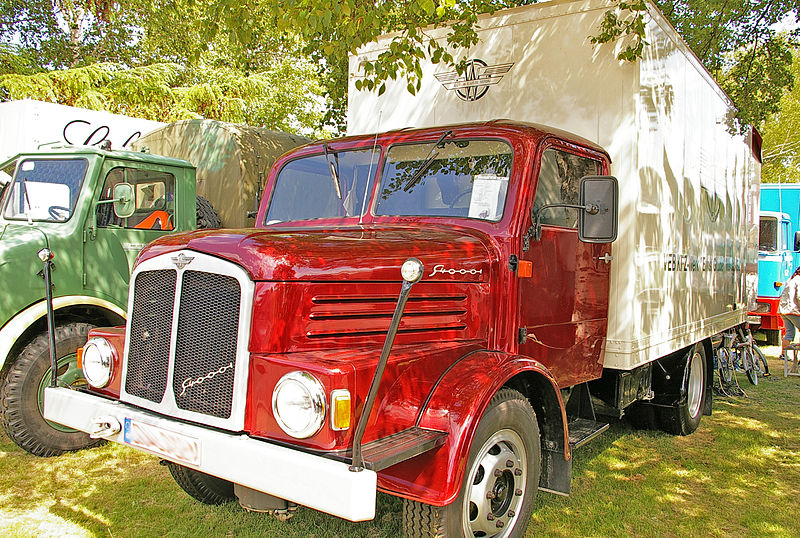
[[95, 209]]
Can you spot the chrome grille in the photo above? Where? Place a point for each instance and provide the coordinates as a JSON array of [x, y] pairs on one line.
[[150, 328], [205, 348], [186, 350]]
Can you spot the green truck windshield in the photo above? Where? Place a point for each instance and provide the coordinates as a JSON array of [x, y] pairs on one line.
[[45, 189]]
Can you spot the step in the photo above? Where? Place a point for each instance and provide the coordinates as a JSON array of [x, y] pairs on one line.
[[582, 430], [401, 446]]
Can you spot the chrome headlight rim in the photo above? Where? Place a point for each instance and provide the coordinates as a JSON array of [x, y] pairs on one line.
[[97, 353], [316, 397]]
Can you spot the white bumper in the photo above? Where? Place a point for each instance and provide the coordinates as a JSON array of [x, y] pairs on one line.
[[313, 481]]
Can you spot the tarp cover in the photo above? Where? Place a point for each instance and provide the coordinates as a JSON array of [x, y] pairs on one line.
[[232, 161]]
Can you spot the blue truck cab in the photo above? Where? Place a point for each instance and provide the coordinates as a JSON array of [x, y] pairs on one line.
[[778, 252]]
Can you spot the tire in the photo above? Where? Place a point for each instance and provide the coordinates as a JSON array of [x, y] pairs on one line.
[[725, 366], [773, 337], [207, 216], [684, 418], [203, 487], [760, 362], [22, 393], [749, 364], [507, 432]]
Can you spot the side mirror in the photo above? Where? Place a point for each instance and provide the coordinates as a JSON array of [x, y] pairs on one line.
[[124, 200], [797, 241], [597, 221]]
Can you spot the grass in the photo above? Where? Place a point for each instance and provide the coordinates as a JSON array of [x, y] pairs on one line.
[[737, 475]]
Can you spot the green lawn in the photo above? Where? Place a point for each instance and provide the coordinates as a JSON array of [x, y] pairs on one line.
[[738, 475]]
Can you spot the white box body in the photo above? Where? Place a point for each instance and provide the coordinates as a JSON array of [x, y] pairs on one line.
[[685, 260]]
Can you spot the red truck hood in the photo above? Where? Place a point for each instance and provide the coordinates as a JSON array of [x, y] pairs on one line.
[[373, 254]]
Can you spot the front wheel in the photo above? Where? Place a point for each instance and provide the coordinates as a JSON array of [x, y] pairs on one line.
[[22, 393], [203, 487], [501, 479]]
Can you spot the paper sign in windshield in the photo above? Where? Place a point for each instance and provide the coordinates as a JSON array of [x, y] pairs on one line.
[[488, 197]]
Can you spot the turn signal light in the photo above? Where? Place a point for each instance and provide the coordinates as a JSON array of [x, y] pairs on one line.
[[525, 269], [79, 357], [340, 409]]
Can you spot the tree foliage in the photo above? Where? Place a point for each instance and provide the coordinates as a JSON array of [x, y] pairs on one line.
[[158, 60], [782, 137], [735, 39]]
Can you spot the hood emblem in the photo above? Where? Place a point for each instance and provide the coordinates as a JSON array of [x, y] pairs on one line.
[[476, 79], [190, 382], [440, 270], [182, 260]]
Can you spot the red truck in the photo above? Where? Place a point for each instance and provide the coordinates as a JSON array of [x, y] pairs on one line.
[[442, 314]]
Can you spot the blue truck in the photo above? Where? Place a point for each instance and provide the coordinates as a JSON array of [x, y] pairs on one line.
[[778, 252]]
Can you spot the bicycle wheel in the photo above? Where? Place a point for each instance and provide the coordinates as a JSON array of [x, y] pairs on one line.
[[749, 366], [724, 366], [760, 361]]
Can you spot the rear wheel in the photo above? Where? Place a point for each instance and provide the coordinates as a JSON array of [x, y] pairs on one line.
[[684, 417], [501, 480], [760, 361], [22, 393], [203, 487]]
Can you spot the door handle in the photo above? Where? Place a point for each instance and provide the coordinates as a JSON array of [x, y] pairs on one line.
[[606, 257]]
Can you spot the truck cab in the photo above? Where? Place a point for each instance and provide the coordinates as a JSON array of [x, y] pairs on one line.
[[776, 252], [62, 199]]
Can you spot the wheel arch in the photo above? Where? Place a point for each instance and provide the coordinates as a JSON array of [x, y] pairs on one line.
[[456, 405], [23, 328]]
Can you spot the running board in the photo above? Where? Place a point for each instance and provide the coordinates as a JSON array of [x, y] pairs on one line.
[[582, 430], [400, 446]]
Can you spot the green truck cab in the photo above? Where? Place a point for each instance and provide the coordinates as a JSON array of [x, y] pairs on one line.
[[63, 199]]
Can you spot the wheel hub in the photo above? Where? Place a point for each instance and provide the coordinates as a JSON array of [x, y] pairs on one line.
[[495, 494]]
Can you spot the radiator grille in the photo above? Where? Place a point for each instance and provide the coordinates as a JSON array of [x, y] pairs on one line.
[[205, 349], [151, 325]]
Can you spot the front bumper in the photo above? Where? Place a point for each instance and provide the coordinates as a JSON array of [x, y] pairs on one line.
[[313, 481]]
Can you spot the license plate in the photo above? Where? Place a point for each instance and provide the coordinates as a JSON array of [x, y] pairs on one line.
[[173, 446], [756, 320]]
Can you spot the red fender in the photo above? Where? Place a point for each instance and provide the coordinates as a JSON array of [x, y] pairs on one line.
[[456, 405]]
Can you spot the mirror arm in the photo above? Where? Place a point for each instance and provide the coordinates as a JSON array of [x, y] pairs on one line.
[[536, 229]]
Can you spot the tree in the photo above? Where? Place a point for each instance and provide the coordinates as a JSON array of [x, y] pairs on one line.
[[735, 39], [782, 138], [283, 98]]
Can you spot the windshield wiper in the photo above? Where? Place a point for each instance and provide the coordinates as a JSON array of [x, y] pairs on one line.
[[334, 172], [29, 212], [432, 154]]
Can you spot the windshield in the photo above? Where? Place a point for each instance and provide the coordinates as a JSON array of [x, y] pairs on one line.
[[456, 178], [45, 189], [331, 185], [768, 234]]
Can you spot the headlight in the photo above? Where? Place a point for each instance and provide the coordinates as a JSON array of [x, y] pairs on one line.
[[97, 361], [298, 403]]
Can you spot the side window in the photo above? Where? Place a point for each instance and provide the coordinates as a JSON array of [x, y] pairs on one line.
[[559, 178], [154, 204]]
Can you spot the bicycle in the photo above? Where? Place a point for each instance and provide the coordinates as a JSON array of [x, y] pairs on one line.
[[738, 352]]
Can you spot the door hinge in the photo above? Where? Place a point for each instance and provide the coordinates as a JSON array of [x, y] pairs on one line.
[[523, 335], [84, 280]]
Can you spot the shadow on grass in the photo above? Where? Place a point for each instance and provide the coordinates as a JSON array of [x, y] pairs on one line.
[[738, 474]]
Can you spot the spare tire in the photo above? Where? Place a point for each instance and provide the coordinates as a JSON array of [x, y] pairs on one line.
[[207, 216]]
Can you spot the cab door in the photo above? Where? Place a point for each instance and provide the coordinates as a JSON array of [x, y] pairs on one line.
[[110, 243], [564, 304]]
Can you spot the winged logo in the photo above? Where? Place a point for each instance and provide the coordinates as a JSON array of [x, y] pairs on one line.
[[474, 82], [182, 260]]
